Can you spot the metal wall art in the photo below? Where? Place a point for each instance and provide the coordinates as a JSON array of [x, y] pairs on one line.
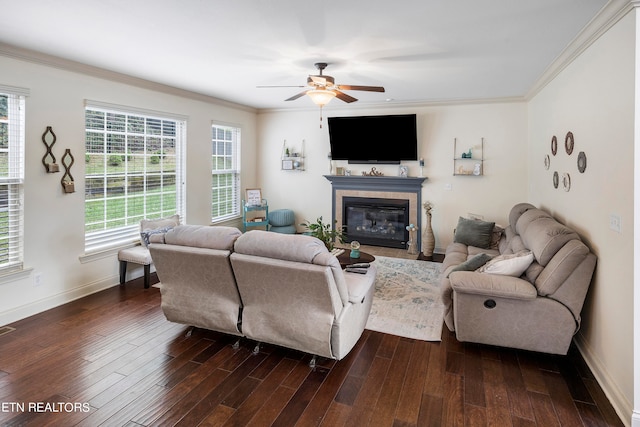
[[569, 143], [67, 179], [49, 160]]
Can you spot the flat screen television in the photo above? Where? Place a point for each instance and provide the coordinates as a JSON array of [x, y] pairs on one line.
[[387, 139]]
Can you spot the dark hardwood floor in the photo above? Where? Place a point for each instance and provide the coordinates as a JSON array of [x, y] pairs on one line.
[[112, 359]]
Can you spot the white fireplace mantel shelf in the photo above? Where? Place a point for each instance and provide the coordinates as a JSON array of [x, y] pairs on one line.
[[390, 187]]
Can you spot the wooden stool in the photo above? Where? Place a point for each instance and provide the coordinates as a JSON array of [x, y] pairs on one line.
[[137, 255]]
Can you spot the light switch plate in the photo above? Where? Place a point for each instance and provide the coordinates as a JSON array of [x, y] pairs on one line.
[[615, 223]]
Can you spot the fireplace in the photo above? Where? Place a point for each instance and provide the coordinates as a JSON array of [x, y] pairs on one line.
[[406, 189], [376, 221]]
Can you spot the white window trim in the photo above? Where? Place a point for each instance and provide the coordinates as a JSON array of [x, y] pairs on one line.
[[234, 170]]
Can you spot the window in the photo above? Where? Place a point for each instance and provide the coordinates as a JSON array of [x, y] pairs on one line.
[[12, 131], [134, 170], [225, 192]]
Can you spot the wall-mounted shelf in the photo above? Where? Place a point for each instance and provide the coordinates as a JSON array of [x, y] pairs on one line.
[[292, 160], [469, 162]]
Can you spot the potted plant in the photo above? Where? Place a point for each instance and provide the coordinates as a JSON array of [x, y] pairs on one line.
[[324, 232]]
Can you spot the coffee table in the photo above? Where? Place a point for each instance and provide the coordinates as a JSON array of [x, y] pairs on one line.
[[345, 260]]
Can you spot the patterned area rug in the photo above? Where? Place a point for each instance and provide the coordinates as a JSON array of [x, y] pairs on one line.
[[407, 299]]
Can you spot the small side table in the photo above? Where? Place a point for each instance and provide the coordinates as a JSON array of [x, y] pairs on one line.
[[345, 260]]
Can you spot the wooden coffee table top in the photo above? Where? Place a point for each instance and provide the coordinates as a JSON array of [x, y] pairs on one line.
[[346, 260]]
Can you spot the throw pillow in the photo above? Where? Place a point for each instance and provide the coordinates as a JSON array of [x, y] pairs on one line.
[[157, 224], [145, 235], [509, 265], [472, 264], [474, 232]]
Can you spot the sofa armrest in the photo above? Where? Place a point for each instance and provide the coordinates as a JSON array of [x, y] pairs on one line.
[[358, 285], [493, 285]]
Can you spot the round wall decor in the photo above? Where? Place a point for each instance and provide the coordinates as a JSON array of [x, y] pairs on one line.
[[566, 181], [582, 162], [568, 143], [554, 145], [556, 179], [547, 162]]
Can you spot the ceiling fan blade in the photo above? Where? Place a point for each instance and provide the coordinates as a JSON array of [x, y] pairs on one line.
[[262, 87], [365, 88], [344, 97], [294, 97]]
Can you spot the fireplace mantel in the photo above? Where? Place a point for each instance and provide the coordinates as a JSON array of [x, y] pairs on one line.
[[377, 183], [390, 187]]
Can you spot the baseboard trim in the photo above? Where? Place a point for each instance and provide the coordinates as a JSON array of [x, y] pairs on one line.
[[620, 404], [53, 301]]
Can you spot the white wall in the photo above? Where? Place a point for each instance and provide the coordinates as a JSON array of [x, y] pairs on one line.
[[594, 99], [502, 125], [54, 221]]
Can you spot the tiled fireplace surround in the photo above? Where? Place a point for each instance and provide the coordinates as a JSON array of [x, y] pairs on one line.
[[380, 187]]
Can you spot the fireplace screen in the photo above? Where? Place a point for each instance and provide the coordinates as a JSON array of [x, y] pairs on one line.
[[378, 222]]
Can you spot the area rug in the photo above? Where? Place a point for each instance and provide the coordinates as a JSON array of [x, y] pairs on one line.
[[407, 299]]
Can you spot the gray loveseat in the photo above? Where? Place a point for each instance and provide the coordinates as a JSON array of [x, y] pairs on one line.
[[281, 289], [537, 310]]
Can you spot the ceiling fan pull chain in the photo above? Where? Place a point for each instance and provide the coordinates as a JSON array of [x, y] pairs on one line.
[[321, 117]]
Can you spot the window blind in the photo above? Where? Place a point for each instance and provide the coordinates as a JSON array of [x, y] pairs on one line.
[[12, 140], [134, 170], [225, 192]]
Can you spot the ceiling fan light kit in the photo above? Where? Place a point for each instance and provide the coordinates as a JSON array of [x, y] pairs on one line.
[[324, 89]]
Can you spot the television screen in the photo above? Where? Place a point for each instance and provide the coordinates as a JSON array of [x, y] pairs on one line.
[[374, 139]]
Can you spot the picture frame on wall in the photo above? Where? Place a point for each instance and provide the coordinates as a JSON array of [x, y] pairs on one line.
[[287, 165], [254, 196]]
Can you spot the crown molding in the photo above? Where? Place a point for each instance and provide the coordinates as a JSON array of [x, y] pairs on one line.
[[44, 59], [608, 16]]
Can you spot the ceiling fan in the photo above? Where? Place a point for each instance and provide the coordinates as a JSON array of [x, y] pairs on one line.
[[323, 88]]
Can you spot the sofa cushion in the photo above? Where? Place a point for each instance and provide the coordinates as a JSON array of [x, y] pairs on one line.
[[203, 236], [508, 265], [545, 236], [290, 247], [472, 263], [473, 232]]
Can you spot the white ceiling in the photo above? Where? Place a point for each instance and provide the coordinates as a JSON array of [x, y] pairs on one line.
[[419, 50]]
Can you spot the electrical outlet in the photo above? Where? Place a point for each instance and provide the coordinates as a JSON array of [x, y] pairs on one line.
[[615, 223], [37, 279]]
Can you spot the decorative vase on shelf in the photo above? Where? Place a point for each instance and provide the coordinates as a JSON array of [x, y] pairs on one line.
[[428, 239]]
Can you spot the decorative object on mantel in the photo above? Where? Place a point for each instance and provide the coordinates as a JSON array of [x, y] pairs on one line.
[[49, 166], [428, 239], [373, 172], [568, 143], [67, 179], [554, 145], [582, 162], [412, 244], [421, 164], [403, 171]]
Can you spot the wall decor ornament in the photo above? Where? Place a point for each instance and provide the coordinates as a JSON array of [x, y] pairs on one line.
[[582, 162], [49, 160], [568, 143], [547, 161], [554, 145], [566, 181], [556, 179], [67, 179]]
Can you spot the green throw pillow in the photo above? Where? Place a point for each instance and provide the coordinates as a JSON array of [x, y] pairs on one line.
[[472, 264], [474, 232]]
